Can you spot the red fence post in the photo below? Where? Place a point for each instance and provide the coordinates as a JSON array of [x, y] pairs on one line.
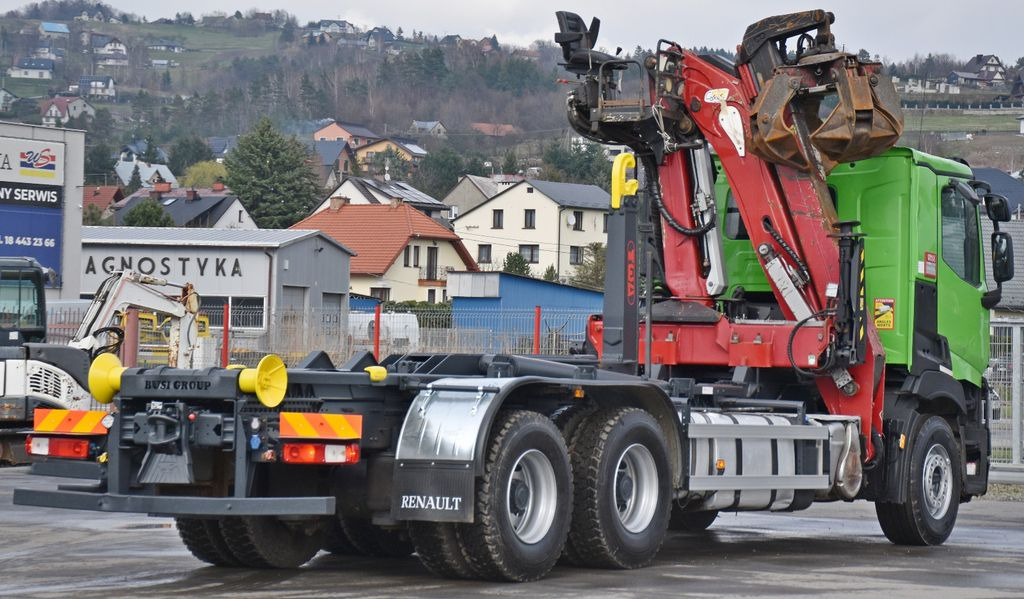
[[376, 332], [224, 352], [536, 330]]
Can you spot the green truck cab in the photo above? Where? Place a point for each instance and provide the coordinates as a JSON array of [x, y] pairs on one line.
[[924, 261]]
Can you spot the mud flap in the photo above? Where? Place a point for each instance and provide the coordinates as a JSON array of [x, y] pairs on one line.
[[433, 492]]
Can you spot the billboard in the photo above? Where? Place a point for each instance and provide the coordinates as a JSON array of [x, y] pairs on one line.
[[31, 161], [31, 222]]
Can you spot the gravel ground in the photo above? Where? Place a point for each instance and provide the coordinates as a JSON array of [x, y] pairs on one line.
[[1005, 492]]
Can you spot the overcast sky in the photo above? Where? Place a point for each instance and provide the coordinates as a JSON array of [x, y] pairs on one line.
[[892, 28]]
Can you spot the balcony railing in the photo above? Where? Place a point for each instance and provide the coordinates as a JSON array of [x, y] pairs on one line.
[[434, 274]]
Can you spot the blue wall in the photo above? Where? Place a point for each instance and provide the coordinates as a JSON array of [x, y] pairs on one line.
[[362, 304]]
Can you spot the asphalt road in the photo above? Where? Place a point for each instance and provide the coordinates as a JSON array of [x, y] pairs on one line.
[[829, 550]]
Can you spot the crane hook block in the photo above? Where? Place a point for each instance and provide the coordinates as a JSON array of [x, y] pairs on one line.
[[621, 186]]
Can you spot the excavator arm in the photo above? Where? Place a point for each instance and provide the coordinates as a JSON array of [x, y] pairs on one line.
[[768, 121]]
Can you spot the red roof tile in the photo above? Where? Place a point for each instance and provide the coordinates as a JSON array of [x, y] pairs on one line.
[[378, 233], [101, 196]]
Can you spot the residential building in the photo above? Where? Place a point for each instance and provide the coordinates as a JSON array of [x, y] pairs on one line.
[[548, 223], [32, 68], [431, 128], [333, 160], [407, 149], [46, 49], [488, 44], [336, 27], [54, 30], [401, 254], [452, 41], [162, 45], [220, 146], [101, 196], [983, 70], [6, 100], [130, 152], [379, 38], [470, 192], [495, 129], [355, 135], [106, 45], [1006, 185], [363, 190], [213, 208], [58, 111], [150, 174], [103, 87]]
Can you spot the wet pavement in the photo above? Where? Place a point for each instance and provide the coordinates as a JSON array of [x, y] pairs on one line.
[[829, 550]]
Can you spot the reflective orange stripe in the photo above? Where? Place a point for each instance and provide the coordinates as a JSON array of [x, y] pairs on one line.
[[300, 425], [75, 422]]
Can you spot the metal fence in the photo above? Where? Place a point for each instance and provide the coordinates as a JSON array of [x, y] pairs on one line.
[[293, 334]]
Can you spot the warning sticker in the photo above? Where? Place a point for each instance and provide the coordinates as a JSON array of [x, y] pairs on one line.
[[885, 313], [931, 265]]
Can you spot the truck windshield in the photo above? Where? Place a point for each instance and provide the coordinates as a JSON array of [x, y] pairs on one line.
[[19, 300]]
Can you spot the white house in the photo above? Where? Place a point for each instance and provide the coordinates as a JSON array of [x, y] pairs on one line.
[[165, 46], [334, 27], [31, 68], [431, 128], [401, 254], [106, 45], [548, 223], [97, 87], [6, 100], [57, 111]]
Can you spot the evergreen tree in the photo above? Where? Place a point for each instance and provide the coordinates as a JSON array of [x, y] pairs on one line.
[[551, 274], [272, 176], [147, 213], [135, 183], [510, 165], [92, 216], [590, 274], [149, 155], [98, 163], [187, 151], [391, 162], [517, 265], [438, 172]]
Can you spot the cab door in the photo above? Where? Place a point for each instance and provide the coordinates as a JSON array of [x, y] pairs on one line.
[[961, 318]]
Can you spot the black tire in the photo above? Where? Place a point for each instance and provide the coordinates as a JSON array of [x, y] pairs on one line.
[[609, 529], [268, 542], [523, 500], [336, 541], [691, 521], [568, 419], [438, 547], [933, 489], [204, 540], [368, 539]]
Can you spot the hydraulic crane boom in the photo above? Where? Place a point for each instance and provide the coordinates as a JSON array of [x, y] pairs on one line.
[[761, 117]]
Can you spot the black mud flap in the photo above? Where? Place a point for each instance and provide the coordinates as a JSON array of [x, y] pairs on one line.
[[168, 459], [433, 492]]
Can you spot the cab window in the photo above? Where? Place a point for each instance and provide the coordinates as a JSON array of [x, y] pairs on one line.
[[960, 247]]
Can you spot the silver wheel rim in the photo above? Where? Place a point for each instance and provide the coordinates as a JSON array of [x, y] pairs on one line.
[[635, 492], [938, 481], [531, 496]]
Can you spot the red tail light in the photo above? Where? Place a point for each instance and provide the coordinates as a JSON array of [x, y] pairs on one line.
[[320, 453], [58, 447]]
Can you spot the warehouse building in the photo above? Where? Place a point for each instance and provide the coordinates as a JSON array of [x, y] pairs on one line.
[[260, 274]]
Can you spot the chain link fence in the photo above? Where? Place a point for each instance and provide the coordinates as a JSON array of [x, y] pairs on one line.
[[1005, 375]]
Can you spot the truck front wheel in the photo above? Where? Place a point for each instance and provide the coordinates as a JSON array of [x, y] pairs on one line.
[[523, 500], [933, 489], [622, 490]]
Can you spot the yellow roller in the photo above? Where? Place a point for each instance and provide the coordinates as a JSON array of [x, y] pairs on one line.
[[269, 381], [105, 377]]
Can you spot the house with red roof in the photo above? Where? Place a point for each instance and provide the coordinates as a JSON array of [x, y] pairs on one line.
[[401, 253], [56, 111], [101, 196]]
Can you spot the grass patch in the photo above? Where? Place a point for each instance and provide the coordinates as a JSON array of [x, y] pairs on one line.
[[30, 88], [913, 121]]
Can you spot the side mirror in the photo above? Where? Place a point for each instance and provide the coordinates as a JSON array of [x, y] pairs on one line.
[[982, 188], [1002, 256], [997, 207], [967, 191]]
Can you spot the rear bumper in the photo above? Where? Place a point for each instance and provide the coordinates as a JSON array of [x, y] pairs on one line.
[[176, 506]]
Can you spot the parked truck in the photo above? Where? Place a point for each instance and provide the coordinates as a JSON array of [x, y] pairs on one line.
[[814, 327]]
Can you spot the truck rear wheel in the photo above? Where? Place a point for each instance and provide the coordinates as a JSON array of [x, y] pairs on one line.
[[933, 489], [691, 521], [622, 490], [269, 542], [370, 539], [438, 547], [523, 500], [204, 540], [337, 542]]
